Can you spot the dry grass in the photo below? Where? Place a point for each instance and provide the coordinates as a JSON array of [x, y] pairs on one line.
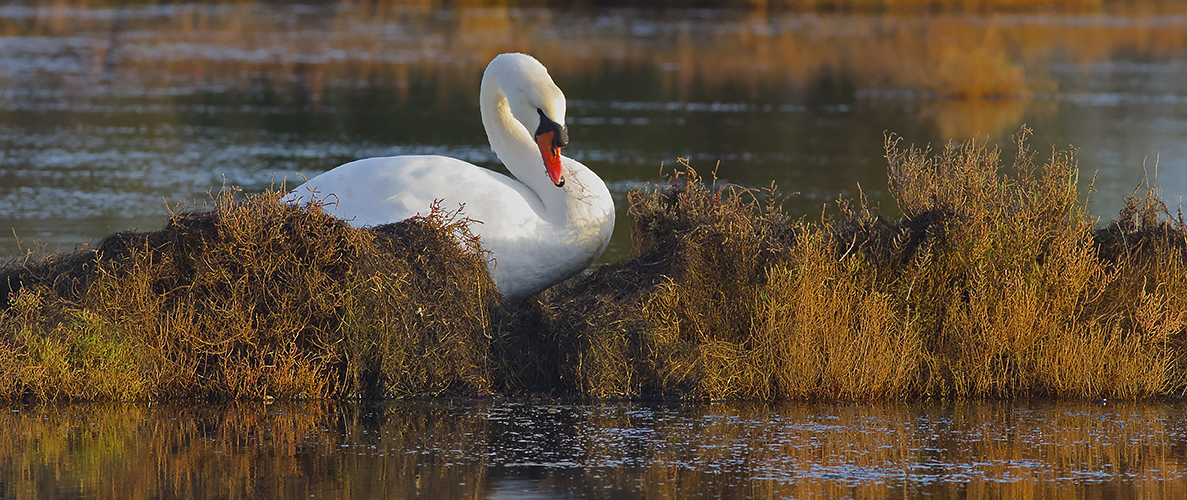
[[253, 299], [993, 284], [1012, 292]]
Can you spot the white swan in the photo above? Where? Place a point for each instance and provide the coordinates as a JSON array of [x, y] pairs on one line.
[[550, 224]]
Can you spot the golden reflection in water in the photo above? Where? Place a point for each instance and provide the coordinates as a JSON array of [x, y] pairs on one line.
[[982, 451], [1001, 57], [237, 451], [977, 118], [445, 450]]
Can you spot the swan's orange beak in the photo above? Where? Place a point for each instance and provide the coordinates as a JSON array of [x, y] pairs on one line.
[[551, 137], [551, 153]]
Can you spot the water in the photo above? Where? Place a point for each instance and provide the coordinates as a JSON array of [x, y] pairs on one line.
[[493, 449], [112, 116]]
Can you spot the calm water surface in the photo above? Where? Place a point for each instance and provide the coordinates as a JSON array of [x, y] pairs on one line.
[[108, 115], [618, 450]]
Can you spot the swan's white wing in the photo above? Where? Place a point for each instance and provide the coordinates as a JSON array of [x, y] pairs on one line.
[[377, 191]]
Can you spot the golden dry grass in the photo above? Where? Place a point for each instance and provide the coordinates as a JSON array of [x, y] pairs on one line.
[[252, 299], [1013, 292], [993, 284]]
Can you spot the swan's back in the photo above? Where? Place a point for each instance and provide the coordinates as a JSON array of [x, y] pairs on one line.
[[376, 191]]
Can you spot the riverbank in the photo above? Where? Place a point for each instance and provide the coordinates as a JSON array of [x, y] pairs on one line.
[[994, 283]]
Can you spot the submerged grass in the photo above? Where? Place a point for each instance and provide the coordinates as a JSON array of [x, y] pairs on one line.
[[994, 283]]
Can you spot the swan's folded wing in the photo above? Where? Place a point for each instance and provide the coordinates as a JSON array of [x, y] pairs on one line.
[[377, 191]]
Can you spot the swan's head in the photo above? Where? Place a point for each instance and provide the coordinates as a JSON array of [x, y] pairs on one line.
[[551, 137], [537, 103]]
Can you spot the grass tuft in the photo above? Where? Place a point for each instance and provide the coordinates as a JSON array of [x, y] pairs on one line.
[[252, 299]]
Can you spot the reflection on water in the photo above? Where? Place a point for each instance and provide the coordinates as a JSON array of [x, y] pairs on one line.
[[107, 114], [445, 449]]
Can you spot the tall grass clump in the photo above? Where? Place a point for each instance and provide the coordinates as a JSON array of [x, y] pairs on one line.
[[255, 298], [994, 283], [730, 298], [668, 321], [1013, 291]]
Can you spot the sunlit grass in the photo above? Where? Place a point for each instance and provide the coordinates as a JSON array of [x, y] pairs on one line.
[[253, 299], [995, 283]]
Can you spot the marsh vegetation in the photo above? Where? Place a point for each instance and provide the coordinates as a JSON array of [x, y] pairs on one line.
[[993, 283]]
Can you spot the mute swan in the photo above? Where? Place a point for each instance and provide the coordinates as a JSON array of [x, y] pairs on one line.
[[546, 225]]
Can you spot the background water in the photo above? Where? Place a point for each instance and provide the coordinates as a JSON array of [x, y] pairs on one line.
[[471, 449], [111, 116]]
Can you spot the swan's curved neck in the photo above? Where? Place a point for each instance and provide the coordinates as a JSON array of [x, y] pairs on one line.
[[514, 146]]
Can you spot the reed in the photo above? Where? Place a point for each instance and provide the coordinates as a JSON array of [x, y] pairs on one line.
[[1015, 294], [994, 283]]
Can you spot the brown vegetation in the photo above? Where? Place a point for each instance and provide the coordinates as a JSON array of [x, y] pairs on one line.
[[994, 283], [252, 299], [991, 285]]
